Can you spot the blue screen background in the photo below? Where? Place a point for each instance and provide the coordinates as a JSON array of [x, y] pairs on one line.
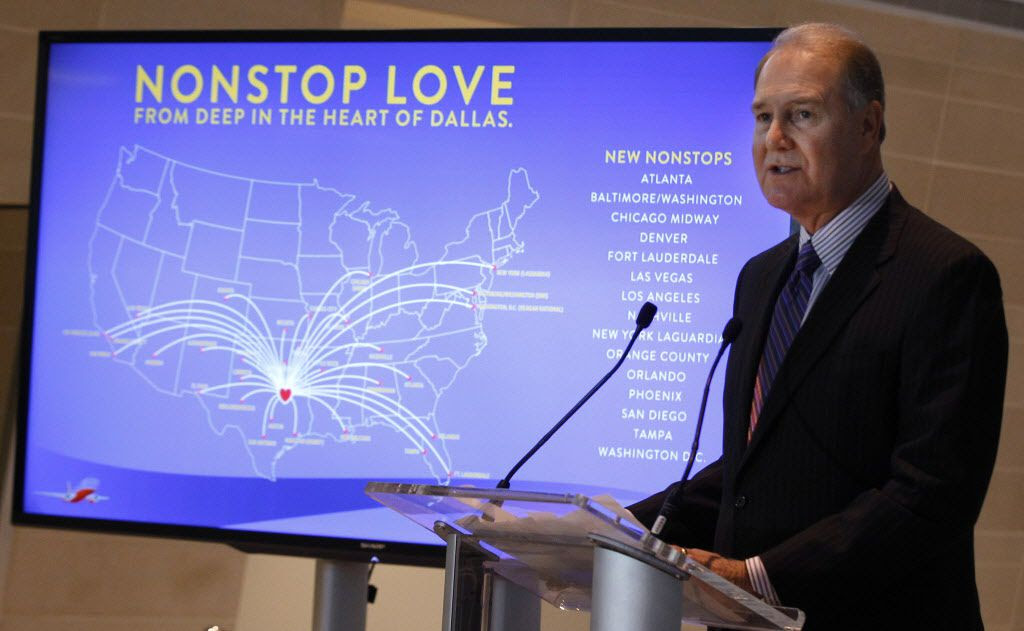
[[135, 215]]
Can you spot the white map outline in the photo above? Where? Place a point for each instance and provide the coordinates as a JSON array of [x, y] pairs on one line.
[[327, 362]]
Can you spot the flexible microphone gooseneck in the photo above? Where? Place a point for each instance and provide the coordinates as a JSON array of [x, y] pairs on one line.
[[729, 333], [643, 320]]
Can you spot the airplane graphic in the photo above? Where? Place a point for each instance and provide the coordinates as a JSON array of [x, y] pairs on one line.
[[85, 491]]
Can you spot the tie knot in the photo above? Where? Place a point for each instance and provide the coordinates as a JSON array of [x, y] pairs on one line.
[[807, 261]]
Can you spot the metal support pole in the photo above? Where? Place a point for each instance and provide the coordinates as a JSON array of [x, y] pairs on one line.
[[630, 594], [466, 585], [512, 607], [339, 597]]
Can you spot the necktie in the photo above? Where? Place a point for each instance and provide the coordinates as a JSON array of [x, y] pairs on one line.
[[786, 319]]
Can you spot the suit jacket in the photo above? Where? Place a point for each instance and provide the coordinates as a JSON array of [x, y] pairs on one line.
[[861, 486]]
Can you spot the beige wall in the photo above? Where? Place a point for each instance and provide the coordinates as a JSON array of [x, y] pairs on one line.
[[956, 148]]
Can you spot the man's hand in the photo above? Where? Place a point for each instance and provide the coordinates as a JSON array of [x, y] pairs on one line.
[[730, 569]]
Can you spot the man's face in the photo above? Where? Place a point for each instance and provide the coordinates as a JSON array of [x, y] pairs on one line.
[[809, 149]]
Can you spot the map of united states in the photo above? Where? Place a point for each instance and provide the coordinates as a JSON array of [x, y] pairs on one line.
[[297, 314]]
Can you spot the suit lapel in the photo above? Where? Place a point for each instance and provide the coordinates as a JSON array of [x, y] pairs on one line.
[[852, 282], [771, 275]]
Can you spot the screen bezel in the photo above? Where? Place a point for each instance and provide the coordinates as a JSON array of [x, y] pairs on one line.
[[252, 541]]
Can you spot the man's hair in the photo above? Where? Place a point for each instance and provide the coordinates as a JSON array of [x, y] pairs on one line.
[[861, 72]]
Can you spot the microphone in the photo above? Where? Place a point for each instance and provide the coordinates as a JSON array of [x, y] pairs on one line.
[[643, 320], [729, 334]]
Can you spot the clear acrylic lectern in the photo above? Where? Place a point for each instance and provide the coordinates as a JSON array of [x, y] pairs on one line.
[[577, 553]]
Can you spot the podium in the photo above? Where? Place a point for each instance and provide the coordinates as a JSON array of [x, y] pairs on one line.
[[508, 548]]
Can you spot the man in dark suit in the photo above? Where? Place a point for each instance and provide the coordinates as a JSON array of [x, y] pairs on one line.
[[864, 395]]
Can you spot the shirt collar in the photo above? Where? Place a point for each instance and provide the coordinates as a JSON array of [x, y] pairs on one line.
[[832, 240]]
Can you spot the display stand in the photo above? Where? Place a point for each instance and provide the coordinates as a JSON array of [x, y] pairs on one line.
[[578, 553], [339, 596]]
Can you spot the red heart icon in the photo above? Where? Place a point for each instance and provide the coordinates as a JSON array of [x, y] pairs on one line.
[[286, 393]]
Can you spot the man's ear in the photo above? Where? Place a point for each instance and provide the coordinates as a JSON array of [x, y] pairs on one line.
[[873, 124]]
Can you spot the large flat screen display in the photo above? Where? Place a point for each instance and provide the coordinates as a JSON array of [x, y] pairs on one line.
[[271, 267]]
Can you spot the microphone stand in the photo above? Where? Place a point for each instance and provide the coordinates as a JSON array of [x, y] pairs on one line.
[[643, 320]]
